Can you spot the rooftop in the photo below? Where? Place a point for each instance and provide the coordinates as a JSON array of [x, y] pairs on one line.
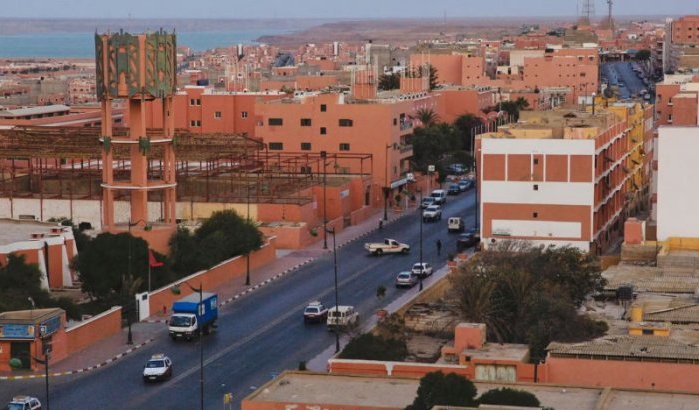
[[506, 351], [641, 348], [29, 316], [557, 124], [16, 230], [28, 111]]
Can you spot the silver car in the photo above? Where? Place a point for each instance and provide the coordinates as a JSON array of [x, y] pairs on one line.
[[406, 280]]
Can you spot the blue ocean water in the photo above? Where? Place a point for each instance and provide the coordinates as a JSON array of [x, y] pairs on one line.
[[82, 45]]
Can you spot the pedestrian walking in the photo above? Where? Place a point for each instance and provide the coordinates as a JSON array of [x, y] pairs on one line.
[[380, 224], [439, 247]]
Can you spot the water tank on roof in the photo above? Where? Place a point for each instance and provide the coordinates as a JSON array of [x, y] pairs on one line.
[[625, 292]]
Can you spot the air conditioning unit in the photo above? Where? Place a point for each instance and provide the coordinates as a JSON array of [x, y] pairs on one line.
[[37, 235]]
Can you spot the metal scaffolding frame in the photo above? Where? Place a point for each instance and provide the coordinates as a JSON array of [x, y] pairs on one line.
[[65, 163]]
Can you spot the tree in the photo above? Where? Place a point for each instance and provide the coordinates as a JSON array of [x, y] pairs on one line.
[[370, 347], [438, 389], [643, 55], [389, 81], [467, 126], [512, 108], [427, 116], [103, 265], [20, 281], [434, 78], [506, 396], [528, 294]]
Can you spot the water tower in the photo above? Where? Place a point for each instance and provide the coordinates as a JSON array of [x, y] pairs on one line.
[[138, 69]]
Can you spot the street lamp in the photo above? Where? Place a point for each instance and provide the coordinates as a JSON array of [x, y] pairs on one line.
[[337, 301], [323, 156], [247, 255], [129, 339], [46, 351], [175, 289], [386, 188], [421, 223]]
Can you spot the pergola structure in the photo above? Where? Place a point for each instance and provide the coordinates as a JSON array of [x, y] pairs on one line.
[[66, 162]]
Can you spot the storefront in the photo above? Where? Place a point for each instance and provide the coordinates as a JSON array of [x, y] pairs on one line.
[[25, 333]]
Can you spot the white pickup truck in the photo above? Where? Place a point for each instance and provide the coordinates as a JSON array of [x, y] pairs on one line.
[[387, 246]]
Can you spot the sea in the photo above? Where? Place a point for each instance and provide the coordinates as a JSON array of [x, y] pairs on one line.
[[82, 45]]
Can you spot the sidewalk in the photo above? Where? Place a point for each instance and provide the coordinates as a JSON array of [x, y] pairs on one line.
[[115, 347]]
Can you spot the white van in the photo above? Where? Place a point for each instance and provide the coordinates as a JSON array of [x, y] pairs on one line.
[[440, 196], [455, 224], [342, 316]]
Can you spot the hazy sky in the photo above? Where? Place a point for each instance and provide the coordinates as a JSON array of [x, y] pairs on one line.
[[328, 8]]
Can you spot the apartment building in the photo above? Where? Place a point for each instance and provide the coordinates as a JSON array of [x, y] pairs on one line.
[[555, 178], [338, 123]]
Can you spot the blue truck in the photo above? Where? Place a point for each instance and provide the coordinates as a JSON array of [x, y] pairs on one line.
[[190, 317]]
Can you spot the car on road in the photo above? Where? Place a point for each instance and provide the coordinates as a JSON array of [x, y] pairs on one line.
[[432, 213], [315, 312], [24, 403], [455, 224], [440, 196], [159, 367], [453, 189], [342, 316], [465, 185], [406, 279], [387, 246], [427, 201], [468, 240], [423, 269]]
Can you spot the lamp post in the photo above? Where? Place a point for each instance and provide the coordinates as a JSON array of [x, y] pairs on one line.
[[593, 103], [247, 255], [323, 156], [421, 223], [200, 291], [337, 299], [386, 188], [129, 339], [46, 351]]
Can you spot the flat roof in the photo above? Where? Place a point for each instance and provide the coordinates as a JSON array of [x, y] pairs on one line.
[[510, 351], [306, 388], [16, 230], [642, 348], [29, 316], [44, 109]]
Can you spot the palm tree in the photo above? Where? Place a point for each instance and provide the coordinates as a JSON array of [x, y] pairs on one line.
[[427, 116]]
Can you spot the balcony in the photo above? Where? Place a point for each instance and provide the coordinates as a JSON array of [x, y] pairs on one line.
[[406, 124]]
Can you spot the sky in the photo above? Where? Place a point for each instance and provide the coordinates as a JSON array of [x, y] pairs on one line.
[[328, 8]]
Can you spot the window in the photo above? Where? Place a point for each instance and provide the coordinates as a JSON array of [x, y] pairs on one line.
[[305, 146], [217, 115], [536, 161], [536, 187], [344, 146], [195, 123], [323, 108], [275, 121], [195, 101], [535, 215], [305, 122], [395, 121], [323, 131], [276, 146], [344, 122], [243, 114]]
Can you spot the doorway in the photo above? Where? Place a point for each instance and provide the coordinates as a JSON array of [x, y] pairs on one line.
[[21, 351]]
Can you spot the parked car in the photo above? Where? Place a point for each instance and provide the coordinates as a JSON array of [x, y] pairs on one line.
[[467, 240], [406, 279], [465, 185], [457, 169], [440, 196], [455, 224], [24, 403], [432, 213], [454, 189], [341, 316], [423, 269], [159, 367], [315, 312], [427, 201]]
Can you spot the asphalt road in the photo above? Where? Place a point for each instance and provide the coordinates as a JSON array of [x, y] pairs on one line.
[[622, 72], [259, 335]]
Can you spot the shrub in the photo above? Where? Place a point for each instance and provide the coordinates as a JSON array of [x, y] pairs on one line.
[[370, 347], [506, 396]]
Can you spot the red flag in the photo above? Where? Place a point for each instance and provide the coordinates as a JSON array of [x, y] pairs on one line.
[[152, 261]]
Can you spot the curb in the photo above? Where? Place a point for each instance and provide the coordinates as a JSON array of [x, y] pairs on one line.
[[83, 370]]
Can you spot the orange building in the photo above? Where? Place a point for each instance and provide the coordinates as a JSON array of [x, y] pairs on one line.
[[454, 69], [557, 177], [336, 123], [50, 246], [685, 30]]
